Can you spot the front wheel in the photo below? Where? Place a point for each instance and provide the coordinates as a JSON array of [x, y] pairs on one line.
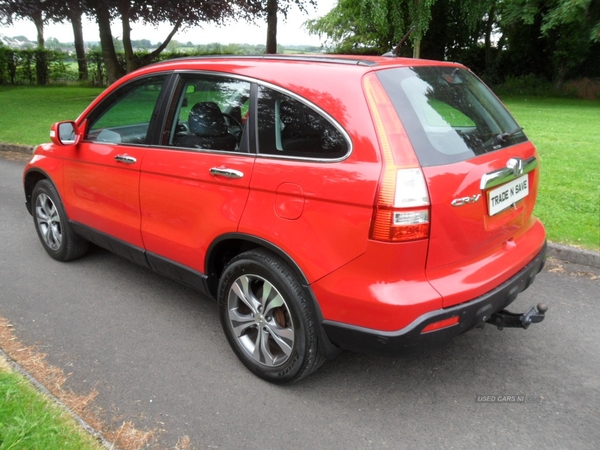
[[55, 234], [267, 319]]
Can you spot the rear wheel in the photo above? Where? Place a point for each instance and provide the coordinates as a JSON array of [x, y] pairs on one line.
[[267, 319], [55, 234]]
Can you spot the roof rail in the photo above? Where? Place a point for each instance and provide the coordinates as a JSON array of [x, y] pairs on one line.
[[294, 57]]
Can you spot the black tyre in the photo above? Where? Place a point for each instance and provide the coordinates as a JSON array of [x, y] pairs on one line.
[[267, 319], [51, 224]]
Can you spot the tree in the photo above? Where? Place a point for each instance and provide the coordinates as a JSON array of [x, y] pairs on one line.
[[351, 27], [272, 7], [551, 38], [177, 13], [573, 25], [73, 11], [269, 9], [26, 9], [378, 23], [43, 11], [40, 12]]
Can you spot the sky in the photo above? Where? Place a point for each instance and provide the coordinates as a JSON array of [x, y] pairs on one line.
[[289, 32]]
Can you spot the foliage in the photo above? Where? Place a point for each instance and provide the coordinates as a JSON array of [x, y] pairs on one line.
[[529, 85], [346, 28], [552, 39], [22, 66]]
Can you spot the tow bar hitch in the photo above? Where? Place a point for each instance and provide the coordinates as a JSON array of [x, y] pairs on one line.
[[505, 319]]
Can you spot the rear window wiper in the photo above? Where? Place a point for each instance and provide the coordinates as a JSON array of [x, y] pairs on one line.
[[502, 138]]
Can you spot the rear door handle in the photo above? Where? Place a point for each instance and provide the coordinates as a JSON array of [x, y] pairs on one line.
[[125, 159], [226, 172]]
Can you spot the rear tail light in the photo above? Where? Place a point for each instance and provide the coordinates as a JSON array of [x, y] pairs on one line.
[[402, 204]]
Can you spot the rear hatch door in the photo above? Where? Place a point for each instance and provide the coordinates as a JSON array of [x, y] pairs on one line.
[[482, 173]]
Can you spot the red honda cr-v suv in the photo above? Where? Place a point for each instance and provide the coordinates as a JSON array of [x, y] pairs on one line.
[[372, 203]]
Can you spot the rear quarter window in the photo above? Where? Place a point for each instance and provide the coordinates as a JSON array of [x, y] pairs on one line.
[[288, 127]]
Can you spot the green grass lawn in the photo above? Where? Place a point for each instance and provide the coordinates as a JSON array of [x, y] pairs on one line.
[[565, 131], [26, 113], [29, 420]]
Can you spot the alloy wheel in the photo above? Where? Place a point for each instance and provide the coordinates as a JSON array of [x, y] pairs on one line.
[[260, 320]]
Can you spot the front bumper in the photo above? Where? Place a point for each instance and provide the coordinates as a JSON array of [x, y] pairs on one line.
[[474, 313]]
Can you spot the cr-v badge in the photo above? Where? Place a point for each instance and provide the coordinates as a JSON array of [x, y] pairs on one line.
[[465, 200]]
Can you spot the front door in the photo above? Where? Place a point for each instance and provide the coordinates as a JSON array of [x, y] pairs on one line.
[[102, 174]]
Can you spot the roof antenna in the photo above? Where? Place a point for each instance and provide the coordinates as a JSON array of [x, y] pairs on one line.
[[394, 53]]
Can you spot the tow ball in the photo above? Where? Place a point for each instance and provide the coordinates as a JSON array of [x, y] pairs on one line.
[[506, 319]]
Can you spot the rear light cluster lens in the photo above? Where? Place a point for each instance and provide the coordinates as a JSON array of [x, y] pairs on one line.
[[450, 322], [402, 205]]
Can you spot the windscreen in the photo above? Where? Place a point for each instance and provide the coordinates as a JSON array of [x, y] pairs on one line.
[[449, 114]]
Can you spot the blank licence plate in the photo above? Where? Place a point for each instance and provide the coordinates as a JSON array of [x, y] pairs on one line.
[[508, 194]]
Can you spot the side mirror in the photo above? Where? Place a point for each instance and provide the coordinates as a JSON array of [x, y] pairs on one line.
[[64, 133]]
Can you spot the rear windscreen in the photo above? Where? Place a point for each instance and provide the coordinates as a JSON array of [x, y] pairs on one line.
[[448, 113]]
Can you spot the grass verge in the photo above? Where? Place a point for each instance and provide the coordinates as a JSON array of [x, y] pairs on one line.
[[30, 420], [22, 411]]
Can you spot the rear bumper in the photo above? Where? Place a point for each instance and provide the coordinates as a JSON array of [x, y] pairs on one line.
[[471, 314]]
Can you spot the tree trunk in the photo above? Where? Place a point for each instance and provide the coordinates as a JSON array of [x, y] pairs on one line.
[[271, 27], [417, 49], [113, 70], [488, 37], [147, 59], [130, 62], [39, 26], [41, 60], [75, 13], [561, 71]]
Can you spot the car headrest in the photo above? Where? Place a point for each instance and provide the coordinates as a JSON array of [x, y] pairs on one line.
[[206, 119]]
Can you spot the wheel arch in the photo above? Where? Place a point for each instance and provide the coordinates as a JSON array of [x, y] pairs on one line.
[[226, 247], [30, 179]]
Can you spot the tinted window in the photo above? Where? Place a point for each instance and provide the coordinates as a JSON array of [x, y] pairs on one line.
[[124, 117], [288, 127], [449, 115], [209, 112]]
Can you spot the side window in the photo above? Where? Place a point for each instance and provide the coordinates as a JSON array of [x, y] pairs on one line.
[[288, 127], [209, 112], [125, 116]]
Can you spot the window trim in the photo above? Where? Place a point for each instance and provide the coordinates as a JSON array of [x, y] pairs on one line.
[[155, 119], [170, 105], [309, 104]]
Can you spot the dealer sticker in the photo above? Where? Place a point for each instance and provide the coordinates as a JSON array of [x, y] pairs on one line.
[[508, 194]]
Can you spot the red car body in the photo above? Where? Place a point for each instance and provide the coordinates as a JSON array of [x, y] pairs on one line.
[[186, 213]]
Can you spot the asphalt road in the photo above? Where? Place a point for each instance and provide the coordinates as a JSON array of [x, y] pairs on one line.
[[155, 352]]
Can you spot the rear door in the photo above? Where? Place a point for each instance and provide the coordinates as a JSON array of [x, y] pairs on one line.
[[194, 186], [482, 174]]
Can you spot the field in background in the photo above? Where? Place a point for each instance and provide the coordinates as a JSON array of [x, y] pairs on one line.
[[565, 131], [27, 112]]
